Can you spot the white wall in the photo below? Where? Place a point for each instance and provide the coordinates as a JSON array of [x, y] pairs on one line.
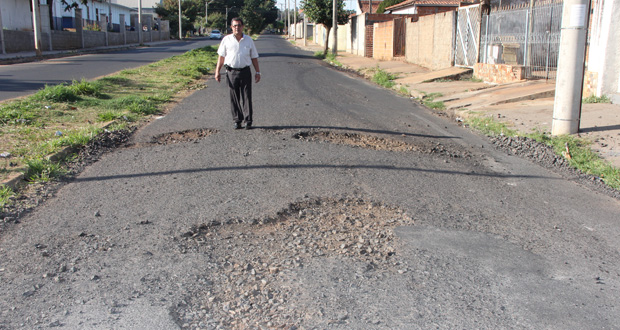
[[16, 14], [89, 11], [604, 52]]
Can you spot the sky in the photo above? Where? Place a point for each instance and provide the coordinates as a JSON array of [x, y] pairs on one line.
[[348, 4]]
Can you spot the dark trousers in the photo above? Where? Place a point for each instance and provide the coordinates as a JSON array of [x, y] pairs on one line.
[[240, 85]]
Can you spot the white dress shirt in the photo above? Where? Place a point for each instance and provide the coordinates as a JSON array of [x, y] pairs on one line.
[[237, 54]]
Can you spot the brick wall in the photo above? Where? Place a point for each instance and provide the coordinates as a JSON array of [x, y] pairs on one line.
[[369, 39], [383, 41], [498, 73]]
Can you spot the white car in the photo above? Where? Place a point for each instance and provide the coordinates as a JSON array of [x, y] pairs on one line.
[[215, 34]]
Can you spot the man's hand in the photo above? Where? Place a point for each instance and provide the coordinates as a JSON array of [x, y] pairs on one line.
[[257, 77], [218, 77]]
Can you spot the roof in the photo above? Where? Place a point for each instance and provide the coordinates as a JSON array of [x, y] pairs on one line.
[[365, 5], [438, 3]]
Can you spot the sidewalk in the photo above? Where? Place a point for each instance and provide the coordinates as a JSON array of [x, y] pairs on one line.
[[523, 106], [31, 56]]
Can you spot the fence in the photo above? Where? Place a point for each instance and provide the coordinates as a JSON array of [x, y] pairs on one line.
[[506, 39]]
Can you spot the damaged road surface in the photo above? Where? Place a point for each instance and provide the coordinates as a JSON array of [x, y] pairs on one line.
[[347, 207]]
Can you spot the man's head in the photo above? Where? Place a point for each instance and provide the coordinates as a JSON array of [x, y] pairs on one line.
[[237, 25]]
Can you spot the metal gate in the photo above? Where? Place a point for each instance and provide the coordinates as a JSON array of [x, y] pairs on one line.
[[467, 36], [399, 36], [507, 38]]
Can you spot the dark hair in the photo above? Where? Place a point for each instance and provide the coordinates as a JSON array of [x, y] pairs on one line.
[[238, 19]]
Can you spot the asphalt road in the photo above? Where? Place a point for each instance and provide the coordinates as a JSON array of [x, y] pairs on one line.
[[26, 78], [496, 242]]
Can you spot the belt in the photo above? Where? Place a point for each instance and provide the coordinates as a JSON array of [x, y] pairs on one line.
[[230, 68]]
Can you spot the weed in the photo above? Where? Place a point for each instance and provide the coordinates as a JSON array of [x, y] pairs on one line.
[[319, 54], [42, 170], [404, 91], [5, 195], [582, 156], [429, 101], [86, 88], [596, 99], [58, 93], [383, 78]]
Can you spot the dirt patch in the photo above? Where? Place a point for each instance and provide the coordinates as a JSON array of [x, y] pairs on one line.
[[251, 258], [191, 135], [377, 143]]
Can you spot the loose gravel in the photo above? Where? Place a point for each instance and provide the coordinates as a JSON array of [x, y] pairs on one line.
[[247, 288]]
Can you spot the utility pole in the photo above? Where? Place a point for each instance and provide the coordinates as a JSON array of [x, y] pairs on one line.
[[288, 18], [139, 27], [2, 42], [36, 26], [295, 20], [180, 22], [335, 27], [569, 80]]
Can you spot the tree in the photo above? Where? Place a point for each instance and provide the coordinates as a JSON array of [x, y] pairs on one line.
[[190, 10], [217, 21], [73, 4], [321, 12], [257, 14], [387, 3]]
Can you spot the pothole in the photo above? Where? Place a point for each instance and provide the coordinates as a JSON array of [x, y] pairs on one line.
[[190, 135], [250, 258], [377, 143]]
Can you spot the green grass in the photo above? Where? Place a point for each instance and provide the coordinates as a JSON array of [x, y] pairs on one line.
[[582, 156], [5, 195], [404, 91], [43, 170], [383, 78], [78, 110], [429, 101], [596, 99]]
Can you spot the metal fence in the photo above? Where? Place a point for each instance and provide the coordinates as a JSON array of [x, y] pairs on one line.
[[506, 38]]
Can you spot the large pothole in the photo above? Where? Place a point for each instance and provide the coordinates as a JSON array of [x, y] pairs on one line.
[[248, 259], [378, 143], [190, 135]]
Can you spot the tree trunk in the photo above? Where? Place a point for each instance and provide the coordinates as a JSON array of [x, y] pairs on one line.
[[327, 41]]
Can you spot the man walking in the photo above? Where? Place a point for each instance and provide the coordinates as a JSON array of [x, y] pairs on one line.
[[236, 53]]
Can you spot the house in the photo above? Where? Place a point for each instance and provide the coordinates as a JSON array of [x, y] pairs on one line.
[[91, 13], [17, 14], [425, 7]]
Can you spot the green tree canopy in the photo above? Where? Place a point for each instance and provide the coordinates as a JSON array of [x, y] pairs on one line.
[[321, 12], [257, 14], [387, 3], [190, 10]]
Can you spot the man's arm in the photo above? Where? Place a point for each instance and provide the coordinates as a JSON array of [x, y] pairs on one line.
[[218, 67], [257, 69]]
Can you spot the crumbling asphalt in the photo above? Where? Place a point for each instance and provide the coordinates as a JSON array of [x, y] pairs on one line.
[[347, 207]]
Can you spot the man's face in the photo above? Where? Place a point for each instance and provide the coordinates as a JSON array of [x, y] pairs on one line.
[[236, 26]]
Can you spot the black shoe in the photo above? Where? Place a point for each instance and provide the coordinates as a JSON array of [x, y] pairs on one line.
[[237, 125], [248, 126]]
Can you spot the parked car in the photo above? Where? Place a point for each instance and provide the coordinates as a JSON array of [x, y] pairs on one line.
[[215, 34]]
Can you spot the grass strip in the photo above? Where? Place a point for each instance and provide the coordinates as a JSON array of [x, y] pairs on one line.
[[69, 115], [582, 156]]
